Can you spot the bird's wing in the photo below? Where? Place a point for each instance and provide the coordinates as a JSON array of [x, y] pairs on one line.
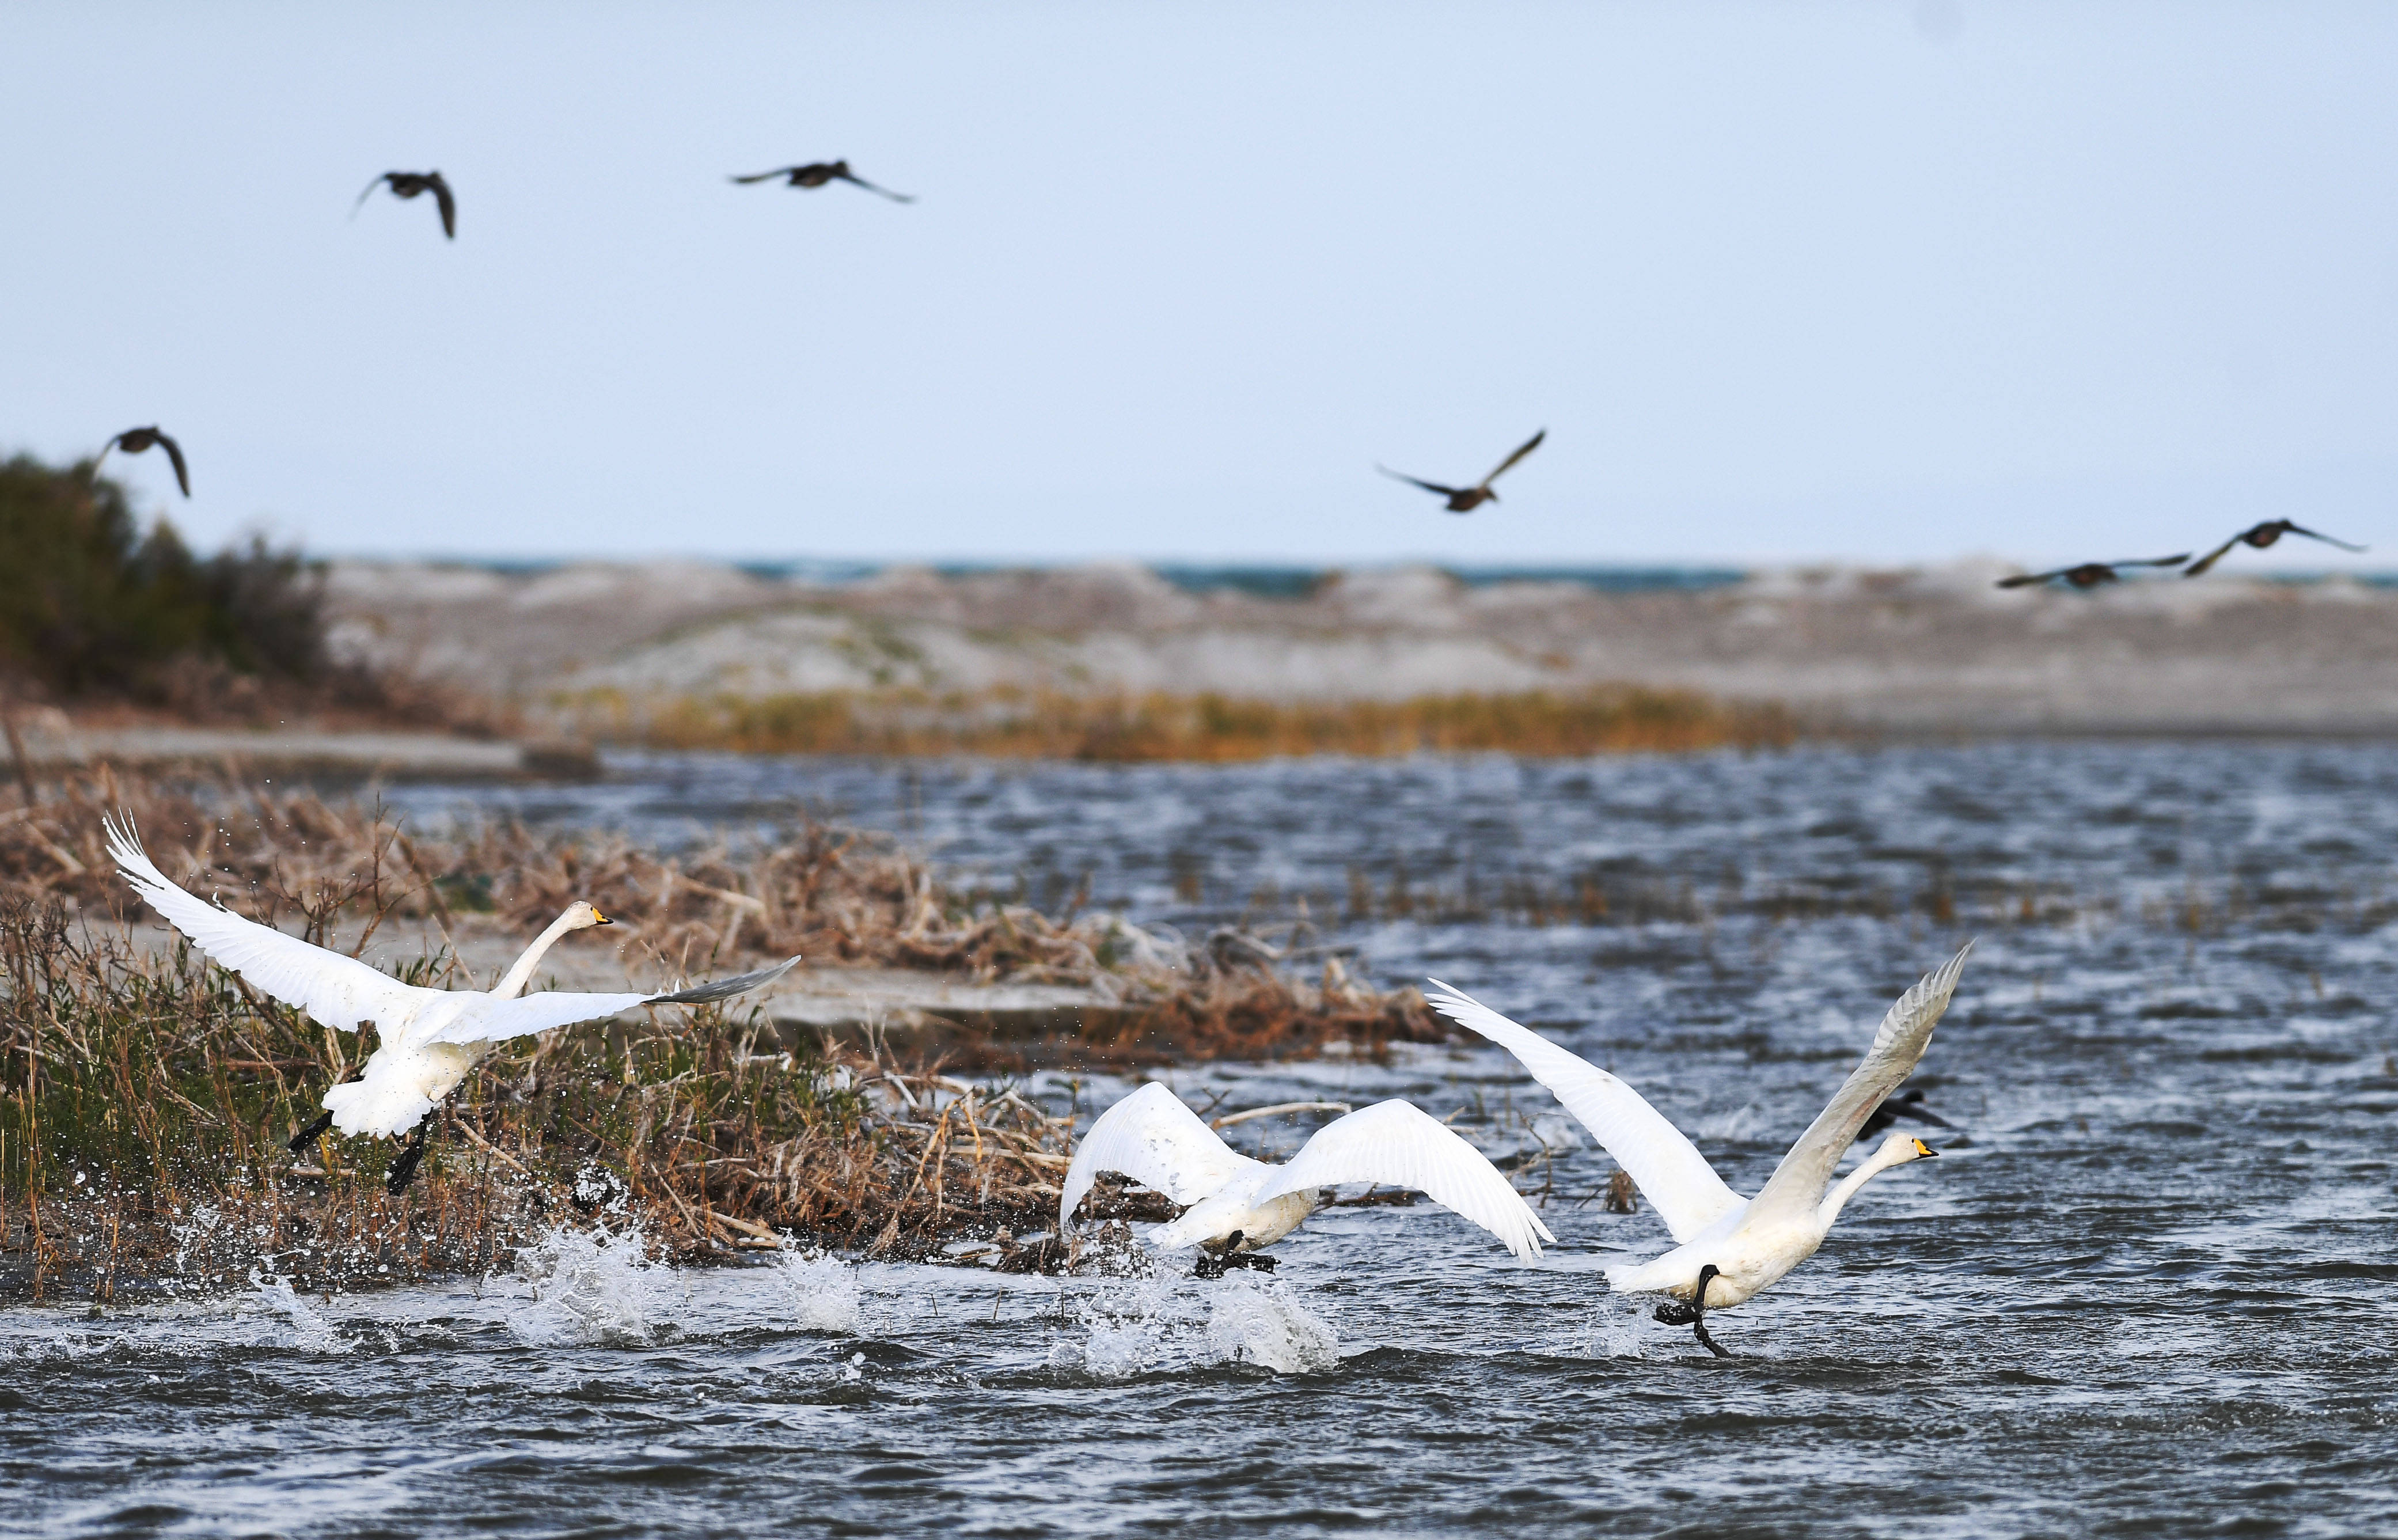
[[1428, 486], [448, 205], [1796, 1184], [2025, 580], [175, 453], [1661, 1160], [368, 194], [1398, 1144], [1152, 1138], [496, 1020], [2211, 558], [896, 198], [1505, 466], [765, 176], [2154, 561], [337, 991], [2326, 539]]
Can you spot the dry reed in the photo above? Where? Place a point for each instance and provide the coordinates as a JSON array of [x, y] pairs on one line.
[[1617, 719], [145, 1097]]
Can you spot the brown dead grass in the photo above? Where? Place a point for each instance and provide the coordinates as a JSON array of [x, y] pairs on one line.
[[1621, 719], [144, 1098]]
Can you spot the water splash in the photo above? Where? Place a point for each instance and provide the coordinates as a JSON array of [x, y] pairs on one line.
[[1169, 1322], [593, 1287], [1255, 1322], [824, 1292], [304, 1329]]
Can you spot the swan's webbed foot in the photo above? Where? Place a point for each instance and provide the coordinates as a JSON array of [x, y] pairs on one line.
[[403, 1170], [310, 1134], [1694, 1314], [1218, 1257]]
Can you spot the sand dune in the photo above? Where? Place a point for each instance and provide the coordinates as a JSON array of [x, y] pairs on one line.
[[1933, 650]]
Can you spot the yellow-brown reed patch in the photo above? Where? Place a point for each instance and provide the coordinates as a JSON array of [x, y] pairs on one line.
[[141, 1140], [145, 1097], [1208, 728]]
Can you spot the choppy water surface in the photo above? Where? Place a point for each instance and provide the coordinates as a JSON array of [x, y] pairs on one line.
[[2146, 1290]]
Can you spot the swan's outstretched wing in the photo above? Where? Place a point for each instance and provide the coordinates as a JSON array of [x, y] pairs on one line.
[[762, 176], [1509, 464], [1796, 1184], [340, 991], [442, 196], [1662, 1162], [490, 1020], [1398, 1144], [1152, 1138]]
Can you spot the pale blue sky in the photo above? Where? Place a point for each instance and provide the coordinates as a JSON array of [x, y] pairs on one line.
[[1875, 281]]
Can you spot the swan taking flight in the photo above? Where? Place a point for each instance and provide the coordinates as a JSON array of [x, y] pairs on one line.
[[1729, 1249], [430, 1038], [1237, 1205]]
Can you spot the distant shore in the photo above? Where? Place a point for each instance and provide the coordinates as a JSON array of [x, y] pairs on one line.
[[916, 659]]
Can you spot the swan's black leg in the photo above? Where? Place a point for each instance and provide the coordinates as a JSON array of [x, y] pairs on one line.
[[1694, 1315], [1212, 1263], [403, 1171], [310, 1134], [1258, 1260]]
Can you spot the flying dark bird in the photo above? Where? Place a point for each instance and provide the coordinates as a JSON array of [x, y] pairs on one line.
[[1908, 1104], [818, 172], [2090, 574], [409, 184], [133, 441], [2261, 536], [1466, 499]]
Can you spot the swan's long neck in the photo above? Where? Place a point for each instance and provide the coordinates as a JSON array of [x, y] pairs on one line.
[[512, 984], [1846, 1188]]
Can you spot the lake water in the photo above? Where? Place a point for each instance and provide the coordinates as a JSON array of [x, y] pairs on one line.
[[2146, 1289]]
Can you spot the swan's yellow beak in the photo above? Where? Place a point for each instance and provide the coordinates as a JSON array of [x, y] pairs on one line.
[[600, 919], [1920, 1147]]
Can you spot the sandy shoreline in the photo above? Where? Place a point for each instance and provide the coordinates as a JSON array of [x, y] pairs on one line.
[[1918, 652]]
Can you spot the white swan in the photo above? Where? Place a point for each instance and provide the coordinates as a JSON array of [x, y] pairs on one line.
[[430, 1038], [1237, 1205], [1730, 1247]]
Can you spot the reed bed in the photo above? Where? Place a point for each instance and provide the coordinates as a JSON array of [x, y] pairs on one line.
[[141, 1143], [145, 1097], [1206, 728]]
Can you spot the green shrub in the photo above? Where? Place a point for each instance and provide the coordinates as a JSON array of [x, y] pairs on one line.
[[91, 603]]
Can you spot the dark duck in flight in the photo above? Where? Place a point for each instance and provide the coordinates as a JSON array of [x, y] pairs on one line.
[[2090, 574], [1908, 1104], [1466, 499], [817, 173], [133, 441], [410, 184], [2261, 536]]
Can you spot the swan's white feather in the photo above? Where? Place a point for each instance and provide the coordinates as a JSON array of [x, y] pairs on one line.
[[1152, 1138], [335, 991], [1797, 1183], [1661, 1160], [429, 1039], [1396, 1144]]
